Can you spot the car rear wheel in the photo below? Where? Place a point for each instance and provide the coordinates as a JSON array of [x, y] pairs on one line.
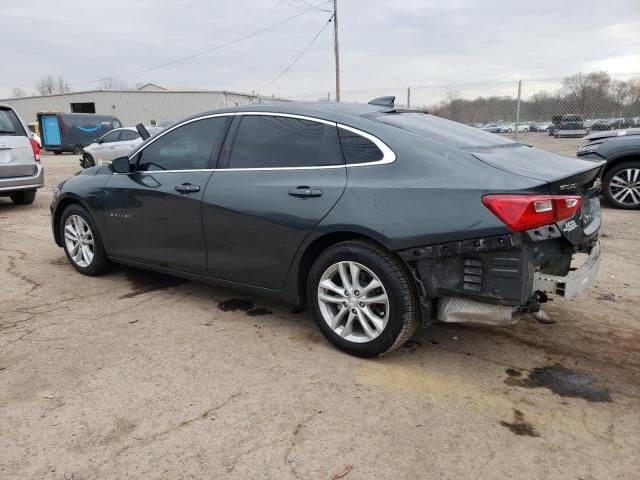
[[77, 149], [362, 299], [23, 198], [82, 243], [622, 185]]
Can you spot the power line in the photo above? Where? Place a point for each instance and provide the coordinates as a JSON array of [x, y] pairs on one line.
[[194, 55], [296, 58]]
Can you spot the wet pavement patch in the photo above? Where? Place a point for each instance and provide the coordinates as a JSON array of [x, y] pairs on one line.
[[143, 281], [258, 312], [235, 304], [563, 382], [519, 426]]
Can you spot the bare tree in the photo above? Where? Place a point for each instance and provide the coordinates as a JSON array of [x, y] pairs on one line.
[[113, 83], [17, 92], [49, 85]]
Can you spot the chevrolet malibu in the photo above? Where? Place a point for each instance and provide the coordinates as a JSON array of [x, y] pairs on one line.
[[378, 219]]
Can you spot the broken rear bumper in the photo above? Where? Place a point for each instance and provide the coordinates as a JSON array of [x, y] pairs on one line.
[[575, 282], [489, 279]]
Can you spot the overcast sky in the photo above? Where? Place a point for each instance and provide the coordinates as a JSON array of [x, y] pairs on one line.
[[383, 43]]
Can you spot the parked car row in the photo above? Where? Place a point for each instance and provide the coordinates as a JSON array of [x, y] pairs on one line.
[[567, 125], [510, 127]]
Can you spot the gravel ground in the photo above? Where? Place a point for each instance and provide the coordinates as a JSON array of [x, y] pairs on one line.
[[137, 375]]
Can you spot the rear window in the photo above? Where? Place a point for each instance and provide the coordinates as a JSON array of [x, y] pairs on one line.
[[9, 123], [440, 130], [358, 149]]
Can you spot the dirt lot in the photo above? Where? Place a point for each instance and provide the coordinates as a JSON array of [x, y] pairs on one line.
[[136, 375]]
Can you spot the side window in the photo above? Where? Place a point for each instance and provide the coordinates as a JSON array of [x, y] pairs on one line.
[[188, 147], [127, 135], [265, 141], [358, 149], [111, 137]]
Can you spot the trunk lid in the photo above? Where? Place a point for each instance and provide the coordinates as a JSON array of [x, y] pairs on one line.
[[563, 176], [16, 153]]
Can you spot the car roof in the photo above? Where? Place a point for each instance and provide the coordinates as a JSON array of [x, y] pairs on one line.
[[331, 111]]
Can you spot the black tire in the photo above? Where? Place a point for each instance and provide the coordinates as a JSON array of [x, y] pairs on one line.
[[87, 161], [24, 198], [100, 263], [77, 149], [403, 316], [606, 187]]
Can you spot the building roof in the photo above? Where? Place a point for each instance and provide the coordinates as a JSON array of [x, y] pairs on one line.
[[165, 87]]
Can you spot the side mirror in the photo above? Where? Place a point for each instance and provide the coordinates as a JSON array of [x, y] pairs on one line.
[[120, 165]]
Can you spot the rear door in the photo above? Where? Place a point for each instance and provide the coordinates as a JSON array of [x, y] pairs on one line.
[[129, 139], [278, 176], [50, 123], [16, 154], [104, 150], [154, 214]]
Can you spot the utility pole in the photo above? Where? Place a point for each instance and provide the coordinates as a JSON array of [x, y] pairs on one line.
[[336, 50]]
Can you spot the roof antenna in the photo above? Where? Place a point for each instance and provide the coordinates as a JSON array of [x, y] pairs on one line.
[[384, 101]]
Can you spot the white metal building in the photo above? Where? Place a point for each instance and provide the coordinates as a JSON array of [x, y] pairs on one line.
[[152, 103]]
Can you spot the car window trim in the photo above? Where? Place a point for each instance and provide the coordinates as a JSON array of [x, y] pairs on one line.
[[388, 155]]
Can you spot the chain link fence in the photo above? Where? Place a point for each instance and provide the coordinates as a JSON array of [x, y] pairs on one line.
[[601, 100]]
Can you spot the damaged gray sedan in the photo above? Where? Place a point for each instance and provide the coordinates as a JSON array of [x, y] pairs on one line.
[[379, 219]]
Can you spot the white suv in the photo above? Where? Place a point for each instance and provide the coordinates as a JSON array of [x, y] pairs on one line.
[[21, 173]]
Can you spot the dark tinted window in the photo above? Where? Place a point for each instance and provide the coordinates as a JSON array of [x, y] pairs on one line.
[[111, 137], [270, 141], [9, 123], [189, 147], [358, 149], [126, 135]]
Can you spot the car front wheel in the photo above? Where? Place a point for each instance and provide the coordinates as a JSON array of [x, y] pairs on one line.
[[87, 161], [622, 185], [82, 243], [362, 299]]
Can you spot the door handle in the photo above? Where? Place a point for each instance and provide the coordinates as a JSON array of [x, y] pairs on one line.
[[187, 188], [304, 192]]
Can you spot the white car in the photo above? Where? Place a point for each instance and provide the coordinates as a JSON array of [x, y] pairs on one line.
[[510, 127], [116, 143]]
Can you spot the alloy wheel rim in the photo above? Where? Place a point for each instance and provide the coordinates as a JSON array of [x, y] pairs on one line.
[[78, 240], [625, 186], [353, 302]]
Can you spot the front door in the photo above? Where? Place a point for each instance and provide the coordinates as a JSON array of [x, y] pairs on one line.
[[154, 214], [274, 184]]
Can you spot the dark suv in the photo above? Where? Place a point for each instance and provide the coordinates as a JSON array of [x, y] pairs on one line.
[[377, 218], [569, 125]]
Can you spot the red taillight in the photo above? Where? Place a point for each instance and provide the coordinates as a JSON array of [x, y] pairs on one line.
[[522, 212], [36, 149]]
